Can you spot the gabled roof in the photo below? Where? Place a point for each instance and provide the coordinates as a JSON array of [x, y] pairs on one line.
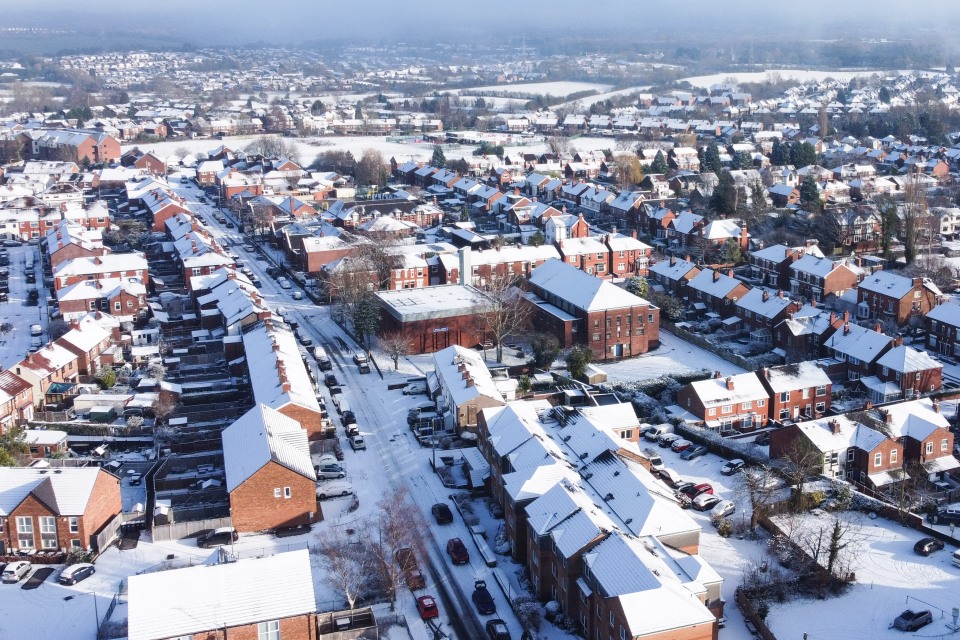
[[947, 313], [65, 491], [581, 289], [762, 303], [904, 359], [719, 288], [802, 375], [713, 391], [260, 436], [858, 342]]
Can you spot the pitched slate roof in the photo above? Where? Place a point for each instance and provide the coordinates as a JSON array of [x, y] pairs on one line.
[[581, 289], [260, 436]]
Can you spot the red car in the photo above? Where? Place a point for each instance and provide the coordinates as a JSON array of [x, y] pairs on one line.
[[427, 607], [681, 445], [698, 490], [457, 552]]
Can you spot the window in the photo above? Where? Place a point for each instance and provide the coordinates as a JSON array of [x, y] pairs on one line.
[[48, 524], [761, 403], [727, 408], [746, 405], [877, 459], [806, 394], [25, 532], [819, 407], [893, 456], [268, 630], [821, 390], [784, 396], [943, 445], [75, 544], [712, 411], [276, 492], [650, 318], [929, 447], [612, 620], [850, 455], [116, 306], [596, 337], [286, 492]]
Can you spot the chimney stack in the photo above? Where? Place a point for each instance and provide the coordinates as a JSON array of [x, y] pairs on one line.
[[717, 375], [887, 417], [730, 273], [898, 341], [729, 382], [835, 426], [813, 304], [716, 276], [846, 328], [868, 406], [766, 296], [878, 328], [846, 316], [766, 373], [780, 293], [936, 406]]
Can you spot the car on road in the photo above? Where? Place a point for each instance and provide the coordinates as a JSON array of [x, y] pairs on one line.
[[334, 488], [76, 572], [15, 571], [284, 283], [297, 295], [497, 630], [482, 599], [695, 451], [357, 443], [926, 546], [457, 551], [681, 445], [732, 467], [427, 607], [912, 620], [442, 513], [349, 417], [36, 330], [950, 515], [330, 470], [330, 380], [705, 502], [217, 537]]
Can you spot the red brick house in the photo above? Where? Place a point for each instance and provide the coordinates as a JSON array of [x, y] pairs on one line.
[[106, 267], [717, 292], [674, 275], [889, 296], [856, 350], [726, 404], [269, 473], [433, 318], [913, 372], [124, 298], [16, 399], [771, 265], [803, 332], [587, 254], [481, 266], [266, 598], [53, 363], [77, 145], [316, 251], [815, 278], [146, 161], [925, 434], [760, 312], [582, 309], [801, 390], [68, 240], [89, 341], [943, 329], [55, 509], [45, 443]]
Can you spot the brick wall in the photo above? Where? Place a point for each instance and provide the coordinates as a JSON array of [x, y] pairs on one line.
[[104, 504], [308, 419], [253, 506]]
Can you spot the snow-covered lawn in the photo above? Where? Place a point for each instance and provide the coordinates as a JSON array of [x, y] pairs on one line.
[[674, 356], [890, 578]]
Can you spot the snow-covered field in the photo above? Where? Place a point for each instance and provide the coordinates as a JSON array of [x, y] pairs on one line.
[[800, 75], [673, 356], [600, 97], [890, 578], [560, 88]]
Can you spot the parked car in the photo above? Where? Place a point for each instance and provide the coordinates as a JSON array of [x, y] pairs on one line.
[[330, 380], [76, 572], [334, 488], [349, 417], [327, 458], [705, 502], [357, 443], [15, 571], [297, 295], [442, 513], [284, 283], [680, 445], [723, 509], [667, 439], [693, 490], [414, 412], [482, 599], [926, 546], [411, 572], [217, 537], [497, 630], [670, 476], [950, 515], [36, 330], [732, 467], [427, 607], [695, 451], [457, 551], [656, 462], [415, 388], [913, 620], [330, 471]]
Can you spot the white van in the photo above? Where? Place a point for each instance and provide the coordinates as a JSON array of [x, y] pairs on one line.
[[661, 429], [343, 406], [656, 462]]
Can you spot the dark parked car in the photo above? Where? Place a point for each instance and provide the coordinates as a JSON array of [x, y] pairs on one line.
[[482, 598], [695, 451], [945, 516], [912, 620], [76, 572], [217, 537], [349, 418], [457, 551], [441, 513], [926, 546], [330, 380], [497, 630]]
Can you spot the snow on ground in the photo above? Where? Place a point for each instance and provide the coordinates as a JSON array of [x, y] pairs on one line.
[[673, 356], [601, 97], [890, 578], [15, 344], [559, 88], [801, 75]]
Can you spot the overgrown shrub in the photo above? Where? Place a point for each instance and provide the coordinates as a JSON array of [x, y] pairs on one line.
[[529, 612]]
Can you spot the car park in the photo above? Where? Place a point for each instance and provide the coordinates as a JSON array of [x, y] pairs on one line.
[[732, 467], [76, 572], [330, 470], [427, 607], [15, 571], [497, 630], [334, 488], [217, 537], [912, 620], [457, 551], [926, 546], [482, 599], [694, 451], [442, 513]]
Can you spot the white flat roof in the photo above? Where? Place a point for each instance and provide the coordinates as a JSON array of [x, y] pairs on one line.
[[443, 301]]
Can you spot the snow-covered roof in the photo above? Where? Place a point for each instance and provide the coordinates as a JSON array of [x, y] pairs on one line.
[[581, 289], [815, 265], [714, 391], [181, 602], [260, 436], [839, 433], [85, 336], [802, 375], [714, 283], [858, 342], [906, 359], [447, 363], [891, 284], [947, 313], [672, 269], [916, 419], [761, 303], [66, 491], [267, 363]]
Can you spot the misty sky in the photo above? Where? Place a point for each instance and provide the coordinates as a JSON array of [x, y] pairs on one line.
[[294, 21]]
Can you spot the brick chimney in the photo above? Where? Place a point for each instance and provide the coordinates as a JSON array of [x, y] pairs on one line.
[[813, 304], [936, 406], [729, 382], [285, 387], [766, 373], [717, 375], [846, 316], [846, 328], [835, 426], [730, 273], [887, 417], [766, 296], [868, 406], [780, 293], [898, 341], [276, 347], [716, 276], [878, 328]]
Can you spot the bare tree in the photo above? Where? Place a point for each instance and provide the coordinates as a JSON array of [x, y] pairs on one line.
[[396, 345], [372, 169], [629, 170], [912, 214], [506, 312], [757, 487], [395, 531], [800, 462], [347, 562], [559, 145], [889, 221]]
